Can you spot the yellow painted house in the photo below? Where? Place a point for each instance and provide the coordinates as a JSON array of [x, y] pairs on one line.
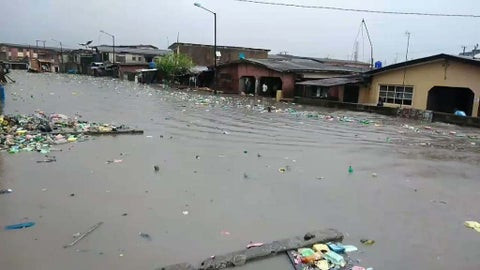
[[442, 83]]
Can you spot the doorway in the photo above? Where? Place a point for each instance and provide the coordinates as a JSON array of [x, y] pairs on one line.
[[350, 93], [272, 85], [247, 85], [449, 99]]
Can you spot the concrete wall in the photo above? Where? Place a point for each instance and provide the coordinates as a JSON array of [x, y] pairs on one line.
[[203, 55], [237, 71], [424, 77], [122, 70]]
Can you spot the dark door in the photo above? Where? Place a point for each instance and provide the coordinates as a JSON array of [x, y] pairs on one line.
[[350, 94]]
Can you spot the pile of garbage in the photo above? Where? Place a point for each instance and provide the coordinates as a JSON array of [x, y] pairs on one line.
[[38, 131], [324, 257]]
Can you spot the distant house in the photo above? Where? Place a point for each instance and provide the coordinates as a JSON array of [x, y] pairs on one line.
[[283, 72], [128, 54], [439, 83], [128, 58], [202, 55], [19, 55]]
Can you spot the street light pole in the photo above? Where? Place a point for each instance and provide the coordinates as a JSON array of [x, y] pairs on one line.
[[61, 54], [113, 48], [214, 45]]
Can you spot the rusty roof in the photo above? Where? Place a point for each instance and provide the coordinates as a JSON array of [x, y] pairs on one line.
[[333, 81]]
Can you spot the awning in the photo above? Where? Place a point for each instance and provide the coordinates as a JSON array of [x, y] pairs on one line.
[[332, 81]]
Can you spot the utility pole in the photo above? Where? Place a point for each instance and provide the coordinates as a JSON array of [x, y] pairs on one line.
[[61, 55], [355, 53], [214, 44], [405, 69], [475, 49], [370, 41], [113, 48], [36, 43]]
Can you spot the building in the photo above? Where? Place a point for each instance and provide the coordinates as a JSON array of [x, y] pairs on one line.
[[281, 72], [128, 58], [441, 83], [128, 54], [475, 53], [79, 61], [202, 55], [19, 55]]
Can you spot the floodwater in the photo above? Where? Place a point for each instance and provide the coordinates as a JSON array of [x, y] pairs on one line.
[[427, 184]]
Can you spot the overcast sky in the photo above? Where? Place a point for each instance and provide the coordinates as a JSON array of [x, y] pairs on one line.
[[306, 32]]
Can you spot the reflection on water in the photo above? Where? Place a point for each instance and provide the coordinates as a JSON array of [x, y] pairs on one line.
[[219, 159]]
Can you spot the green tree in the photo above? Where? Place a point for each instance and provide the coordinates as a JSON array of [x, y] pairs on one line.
[[174, 65]]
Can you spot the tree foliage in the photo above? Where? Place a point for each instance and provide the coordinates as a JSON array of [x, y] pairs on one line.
[[174, 65]]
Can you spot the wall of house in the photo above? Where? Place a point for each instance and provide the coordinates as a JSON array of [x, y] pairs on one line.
[[16, 54], [122, 70], [424, 77], [231, 83], [203, 55]]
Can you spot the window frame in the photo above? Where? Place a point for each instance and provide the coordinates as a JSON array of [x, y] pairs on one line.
[[396, 94]]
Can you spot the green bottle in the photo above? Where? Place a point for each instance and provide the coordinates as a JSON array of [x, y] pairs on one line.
[[350, 169]]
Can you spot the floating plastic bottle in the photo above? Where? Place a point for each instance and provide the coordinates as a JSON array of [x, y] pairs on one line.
[[350, 169]]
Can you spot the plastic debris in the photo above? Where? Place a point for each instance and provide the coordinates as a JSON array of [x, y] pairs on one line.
[[145, 236], [80, 237], [225, 233], [374, 175], [6, 191], [252, 245], [337, 248], [306, 252], [156, 168], [335, 258], [322, 248], [473, 225], [38, 131], [114, 161], [322, 265], [282, 170], [350, 169], [185, 212], [367, 242], [350, 248], [358, 268], [48, 159], [20, 226]]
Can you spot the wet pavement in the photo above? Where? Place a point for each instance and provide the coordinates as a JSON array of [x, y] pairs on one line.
[[219, 171]]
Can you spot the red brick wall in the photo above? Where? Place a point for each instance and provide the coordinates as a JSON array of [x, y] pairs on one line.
[[237, 71]]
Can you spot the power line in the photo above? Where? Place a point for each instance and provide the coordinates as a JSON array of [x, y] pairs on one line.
[[360, 10]]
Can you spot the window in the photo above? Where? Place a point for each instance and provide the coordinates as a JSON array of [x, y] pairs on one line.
[[120, 58], [396, 94], [320, 92], [134, 58], [139, 58]]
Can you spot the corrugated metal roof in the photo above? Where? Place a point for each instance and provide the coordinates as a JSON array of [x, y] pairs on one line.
[[333, 81], [34, 47], [219, 47], [418, 61], [302, 65], [140, 51]]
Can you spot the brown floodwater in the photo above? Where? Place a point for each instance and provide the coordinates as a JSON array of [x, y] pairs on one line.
[[427, 184]]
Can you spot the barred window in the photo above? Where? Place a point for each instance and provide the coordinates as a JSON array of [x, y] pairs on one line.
[[396, 94]]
